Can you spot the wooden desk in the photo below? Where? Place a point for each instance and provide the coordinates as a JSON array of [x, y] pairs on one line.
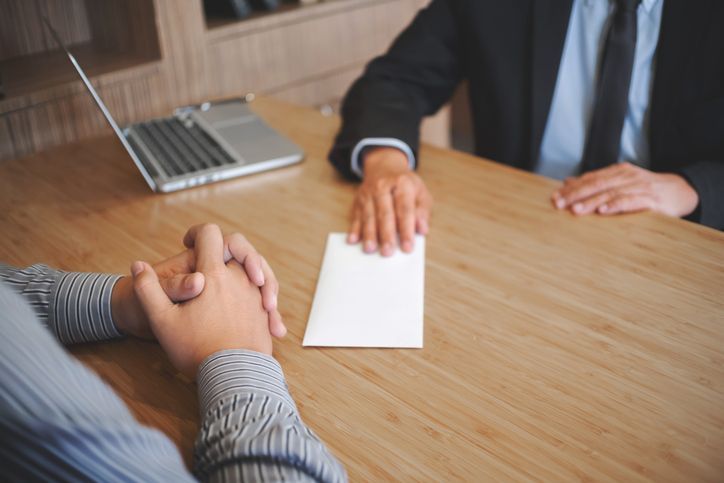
[[556, 348]]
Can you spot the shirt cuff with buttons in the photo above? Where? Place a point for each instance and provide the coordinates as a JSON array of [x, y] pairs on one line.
[[379, 142]]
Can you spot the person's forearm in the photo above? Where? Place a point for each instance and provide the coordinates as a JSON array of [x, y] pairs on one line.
[[58, 420], [251, 426], [75, 306]]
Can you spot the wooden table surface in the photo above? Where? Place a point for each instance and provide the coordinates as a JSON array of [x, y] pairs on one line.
[[556, 348]]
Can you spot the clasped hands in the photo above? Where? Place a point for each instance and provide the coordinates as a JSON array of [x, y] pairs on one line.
[[393, 201], [217, 294]]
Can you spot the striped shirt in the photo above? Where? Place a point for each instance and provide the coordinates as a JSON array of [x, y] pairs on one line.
[[59, 421]]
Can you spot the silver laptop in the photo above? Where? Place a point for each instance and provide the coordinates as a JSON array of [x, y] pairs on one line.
[[199, 144]]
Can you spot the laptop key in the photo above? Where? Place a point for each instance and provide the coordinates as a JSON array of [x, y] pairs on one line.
[[172, 145], [200, 158], [217, 155], [166, 162]]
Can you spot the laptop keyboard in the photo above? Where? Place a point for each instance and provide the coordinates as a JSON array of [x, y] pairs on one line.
[[180, 149]]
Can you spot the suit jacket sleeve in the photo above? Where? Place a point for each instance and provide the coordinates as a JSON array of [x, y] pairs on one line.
[[413, 79], [707, 178]]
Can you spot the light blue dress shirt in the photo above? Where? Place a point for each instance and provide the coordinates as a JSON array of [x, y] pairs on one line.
[[571, 109]]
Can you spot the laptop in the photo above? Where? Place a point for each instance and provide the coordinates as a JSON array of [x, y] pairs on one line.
[[199, 144]]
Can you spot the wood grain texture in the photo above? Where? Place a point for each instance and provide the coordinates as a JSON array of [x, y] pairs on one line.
[[22, 31], [556, 348], [106, 36]]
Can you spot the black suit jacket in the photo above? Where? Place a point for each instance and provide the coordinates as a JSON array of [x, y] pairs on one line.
[[510, 52]]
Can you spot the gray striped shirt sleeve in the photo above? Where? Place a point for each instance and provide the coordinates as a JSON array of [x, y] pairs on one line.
[[75, 306], [58, 420], [249, 416]]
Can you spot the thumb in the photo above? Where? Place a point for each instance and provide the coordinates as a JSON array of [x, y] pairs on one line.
[[183, 287], [149, 291]]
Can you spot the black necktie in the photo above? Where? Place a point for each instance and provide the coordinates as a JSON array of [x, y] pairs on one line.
[[604, 135]]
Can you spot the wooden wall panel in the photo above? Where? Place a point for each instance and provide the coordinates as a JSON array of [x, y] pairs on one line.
[[76, 117], [23, 33], [318, 91], [116, 36], [7, 149], [181, 32], [267, 60], [435, 130]]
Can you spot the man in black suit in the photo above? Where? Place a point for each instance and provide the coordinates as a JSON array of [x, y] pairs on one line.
[[623, 99]]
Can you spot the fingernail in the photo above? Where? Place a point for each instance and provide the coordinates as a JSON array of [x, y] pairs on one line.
[[352, 238], [603, 208], [136, 268], [386, 249], [560, 203], [274, 301], [262, 280], [423, 227], [189, 282], [369, 247], [407, 246]]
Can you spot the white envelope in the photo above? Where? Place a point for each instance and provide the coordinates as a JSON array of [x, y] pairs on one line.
[[368, 300]]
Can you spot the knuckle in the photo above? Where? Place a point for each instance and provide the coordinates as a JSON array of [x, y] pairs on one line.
[[381, 185], [273, 284], [596, 183], [384, 210], [404, 200], [615, 193], [405, 182], [252, 259], [402, 190], [209, 227], [237, 237], [381, 198]]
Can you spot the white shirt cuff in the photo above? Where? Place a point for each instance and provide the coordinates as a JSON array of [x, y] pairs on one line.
[[388, 142]]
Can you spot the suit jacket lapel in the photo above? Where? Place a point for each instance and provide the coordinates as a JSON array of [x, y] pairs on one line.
[[550, 24], [683, 25]]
